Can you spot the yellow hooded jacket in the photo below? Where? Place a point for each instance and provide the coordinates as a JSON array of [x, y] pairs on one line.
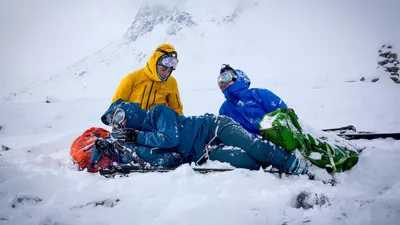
[[144, 87]]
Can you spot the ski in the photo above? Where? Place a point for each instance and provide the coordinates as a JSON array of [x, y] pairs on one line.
[[125, 170], [342, 129], [350, 133], [370, 136]]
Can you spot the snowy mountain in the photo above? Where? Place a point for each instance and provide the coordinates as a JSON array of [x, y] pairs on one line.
[[311, 54]]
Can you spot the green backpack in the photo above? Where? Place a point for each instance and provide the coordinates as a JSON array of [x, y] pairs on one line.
[[282, 128]]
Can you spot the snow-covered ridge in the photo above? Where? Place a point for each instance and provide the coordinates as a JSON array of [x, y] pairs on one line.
[[149, 17]]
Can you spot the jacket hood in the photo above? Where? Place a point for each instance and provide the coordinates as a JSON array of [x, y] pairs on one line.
[[133, 113], [151, 67], [241, 84], [107, 117]]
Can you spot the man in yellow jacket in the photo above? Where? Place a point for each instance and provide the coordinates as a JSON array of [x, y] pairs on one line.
[[153, 84]]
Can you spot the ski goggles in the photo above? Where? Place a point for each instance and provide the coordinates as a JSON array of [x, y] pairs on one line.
[[168, 60], [118, 120], [226, 77]]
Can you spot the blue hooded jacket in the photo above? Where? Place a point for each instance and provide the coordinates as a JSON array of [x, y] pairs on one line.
[[248, 106], [161, 127], [162, 132]]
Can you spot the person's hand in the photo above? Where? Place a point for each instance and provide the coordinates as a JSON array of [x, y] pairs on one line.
[[126, 135]]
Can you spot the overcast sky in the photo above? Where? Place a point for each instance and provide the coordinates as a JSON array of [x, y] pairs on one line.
[[46, 36]]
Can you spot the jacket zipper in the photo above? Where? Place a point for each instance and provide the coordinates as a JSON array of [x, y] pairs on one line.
[[143, 96], [177, 99], [149, 68], [148, 98], [154, 100]]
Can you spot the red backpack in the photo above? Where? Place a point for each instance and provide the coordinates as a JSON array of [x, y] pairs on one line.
[[82, 147]]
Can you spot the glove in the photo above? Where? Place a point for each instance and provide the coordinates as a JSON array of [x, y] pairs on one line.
[[126, 135], [101, 145], [100, 148]]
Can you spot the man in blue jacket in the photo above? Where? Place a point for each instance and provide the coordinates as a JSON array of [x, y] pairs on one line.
[[248, 106], [161, 131], [245, 106]]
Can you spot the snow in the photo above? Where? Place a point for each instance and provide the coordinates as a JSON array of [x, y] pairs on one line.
[[315, 155], [310, 54], [266, 122]]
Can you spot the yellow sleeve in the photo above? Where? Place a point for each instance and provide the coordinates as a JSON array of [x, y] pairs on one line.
[[174, 99], [124, 89]]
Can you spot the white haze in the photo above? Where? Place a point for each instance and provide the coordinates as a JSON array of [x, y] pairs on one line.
[[310, 53]]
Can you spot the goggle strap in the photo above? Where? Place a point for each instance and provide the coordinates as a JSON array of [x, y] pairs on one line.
[[165, 52], [161, 50], [226, 67]]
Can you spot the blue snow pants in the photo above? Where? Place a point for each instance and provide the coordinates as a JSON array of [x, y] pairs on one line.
[[234, 145], [167, 158]]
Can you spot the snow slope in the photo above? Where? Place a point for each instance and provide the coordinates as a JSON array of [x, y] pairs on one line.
[[311, 54]]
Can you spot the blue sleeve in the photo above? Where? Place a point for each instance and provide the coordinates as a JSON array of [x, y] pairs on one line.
[[270, 101], [167, 132], [222, 109]]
